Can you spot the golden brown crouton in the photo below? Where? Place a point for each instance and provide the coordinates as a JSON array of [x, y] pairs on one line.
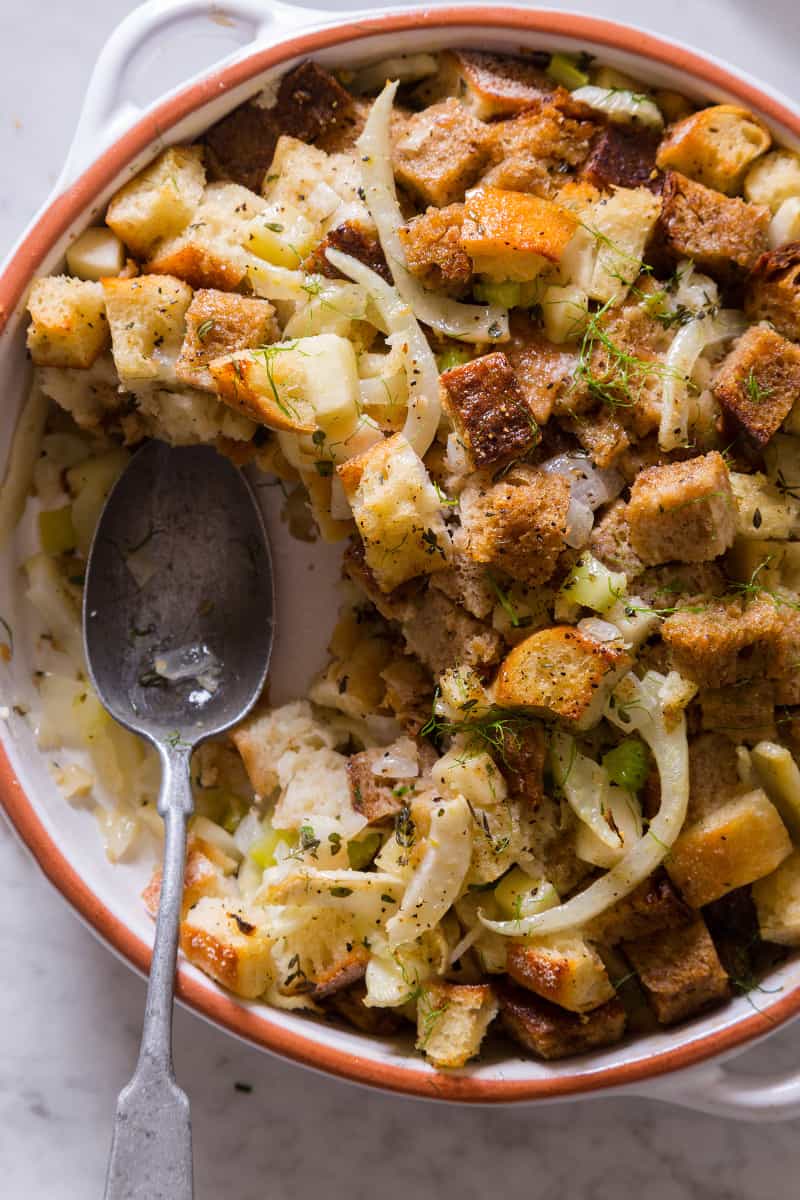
[[160, 201], [684, 511], [561, 968], [341, 974], [533, 146], [443, 635], [679, 970], [511, 235], [68, 322], [372, 795], [713, 775], [488, 85], [209, 252], [441, 153], [146, 317], [544, 371], [731, 846], [652, 906], [722, 234], [201, 877], [518, 524], [610, 541], [434, 250], [623, 158], [715, 146], [601, 434], [772, 292], [551, 1032], [758, 383], [452, 1019], [350, 238], [219, 937], [777, 901], [219, 323], [744, 714], [485, 403], [561, 672]]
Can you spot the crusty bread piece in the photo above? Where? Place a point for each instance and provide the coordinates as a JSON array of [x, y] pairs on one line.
[[679, 970], [442, 635], [773, 179], [772, 292], [777, 901], [529, 150], [544, 371], [434, 250], [441, 153], [682, 512], [561, 672], [349, 1005], [219, 937], [713, 775], [733, 845], [467, 584], [550, 1032], [715, 146], [372, 795], [452, 1020], [219, 323], [722, 234], [342, 973], [146, 316], [160, 201], [623, 157], [759, 382], [488, 410], [353, 238], [744, 714], [651, 907], [488, 85], [562, 968], [209, 252], [610, 541], [202, 876], [68, 322], [511, 235]]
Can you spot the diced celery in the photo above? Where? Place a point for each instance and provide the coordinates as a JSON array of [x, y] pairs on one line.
[[592, 585], [508, 293], [454, 356], [564, 69], [361, 852], [628, 764], [56, 531]]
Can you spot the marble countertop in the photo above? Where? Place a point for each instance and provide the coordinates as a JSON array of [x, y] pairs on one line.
[[70, 1013]]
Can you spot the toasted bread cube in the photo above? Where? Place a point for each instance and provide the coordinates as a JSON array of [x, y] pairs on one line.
[[774, 179], [679, 970], [488, 85], [218, 323], [610, 541], [683, 511], [219, 937], [777, 901], [209, 252], [779, 775], [650, 908], [744, 714], [342, 973], [146, 316], [623, 158], [551, 1032], [160, 201], [434, 251], [452, 1020], [758, 383], [773, 290], [713, 775], [441, 153], [353, 238], [467, 584], [561, 672], [732, 846], [397, 512], [624, 221], [442, 635], [511, 235], [488, 410], [561, 968], [518, 524], [371, 795], [68, 322], [544, 371], [201, 877], [715, 146], [722, 234]]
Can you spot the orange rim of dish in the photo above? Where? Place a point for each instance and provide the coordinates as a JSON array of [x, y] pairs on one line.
[[248, 1023]]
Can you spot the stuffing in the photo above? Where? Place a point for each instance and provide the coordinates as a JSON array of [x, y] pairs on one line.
[[679, 970], [759, 382], [744, 714], [208, 253], [623, 158], [715, 146], [683, 511], [601, 434], [409, 693], [219, 323], [434, 250], [610, 541], [441, 153], [722, 235], [543, 370], [777, 901], [353, 238], [467, 583], [772, 292], [441, 635], [650, 908], [220, 938], [622, 225], [488, 410], [518, 524], [397, 605], [523, 762], [90, 395], [349, 1005], [185, 418], [530, 151], [488, 85], [713, 775], [452, 1020], [561, 968], [550, 1032], [511, 235], [68, 322], [773, 179], [763, 510], [147, 319], [160, 201], [202, 876], [373, 795]]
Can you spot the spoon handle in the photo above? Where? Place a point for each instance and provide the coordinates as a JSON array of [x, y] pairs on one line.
[[151, 1150]]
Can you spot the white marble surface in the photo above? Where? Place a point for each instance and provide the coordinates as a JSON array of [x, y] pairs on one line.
[[69, 1013]]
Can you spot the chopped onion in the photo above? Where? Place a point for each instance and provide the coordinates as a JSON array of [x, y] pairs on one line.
[[398, 761], [467, 322], [689, 343], [600, 631], [621, 106], [591, 485], [424, 405], [579, 525]]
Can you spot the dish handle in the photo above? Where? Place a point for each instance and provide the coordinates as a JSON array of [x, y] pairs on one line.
[[715, 1090]]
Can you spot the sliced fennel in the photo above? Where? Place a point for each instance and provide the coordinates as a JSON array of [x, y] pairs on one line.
[[585, 784], [437, 881], [621, 106], [689, 343]]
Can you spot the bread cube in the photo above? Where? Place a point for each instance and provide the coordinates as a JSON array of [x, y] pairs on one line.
[[561, 968], [651, 907], [746, 714], [715, 146], [550, 1032], [610, 541], [623, 224], [209, 252], [777, 901], [772, 292], [758, 383], [779, 775], [544, 371], [679, 970], [774, 179], [68, 322], [511, 235], [488, 85], [355, 239], [713, 775], [622, 158], [341, 974], [722, 234], [160, 201], [452, 1020], [146, 317], [372, 795], [561, 672], [397, 512], [219, 937], [202, 876], [734, 845], [443, 635], [518, 524], [485, 404], [683, 511], [220, 323], [441, 153], [434, 251]]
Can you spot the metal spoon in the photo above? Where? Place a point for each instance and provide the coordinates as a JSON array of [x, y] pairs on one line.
[[179, 579]]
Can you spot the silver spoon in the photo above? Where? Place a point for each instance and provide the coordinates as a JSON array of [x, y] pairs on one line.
[[179, 580]]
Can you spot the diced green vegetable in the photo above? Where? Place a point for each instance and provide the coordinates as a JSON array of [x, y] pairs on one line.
[[361, 852], [454, 356], [592, 585], [56, 531], [564, 69], [506, 294], [628, 764], [518, 895]]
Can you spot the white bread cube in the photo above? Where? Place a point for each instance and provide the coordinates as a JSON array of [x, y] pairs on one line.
[[452, 1020], [622, 224], [201, 877], [774, 179], [160, 201], [562, 968], [715, 146], [68, 322], [146, 316], [777, 901], [208, 253], [219, 323], [219, 937], [397, 512]]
